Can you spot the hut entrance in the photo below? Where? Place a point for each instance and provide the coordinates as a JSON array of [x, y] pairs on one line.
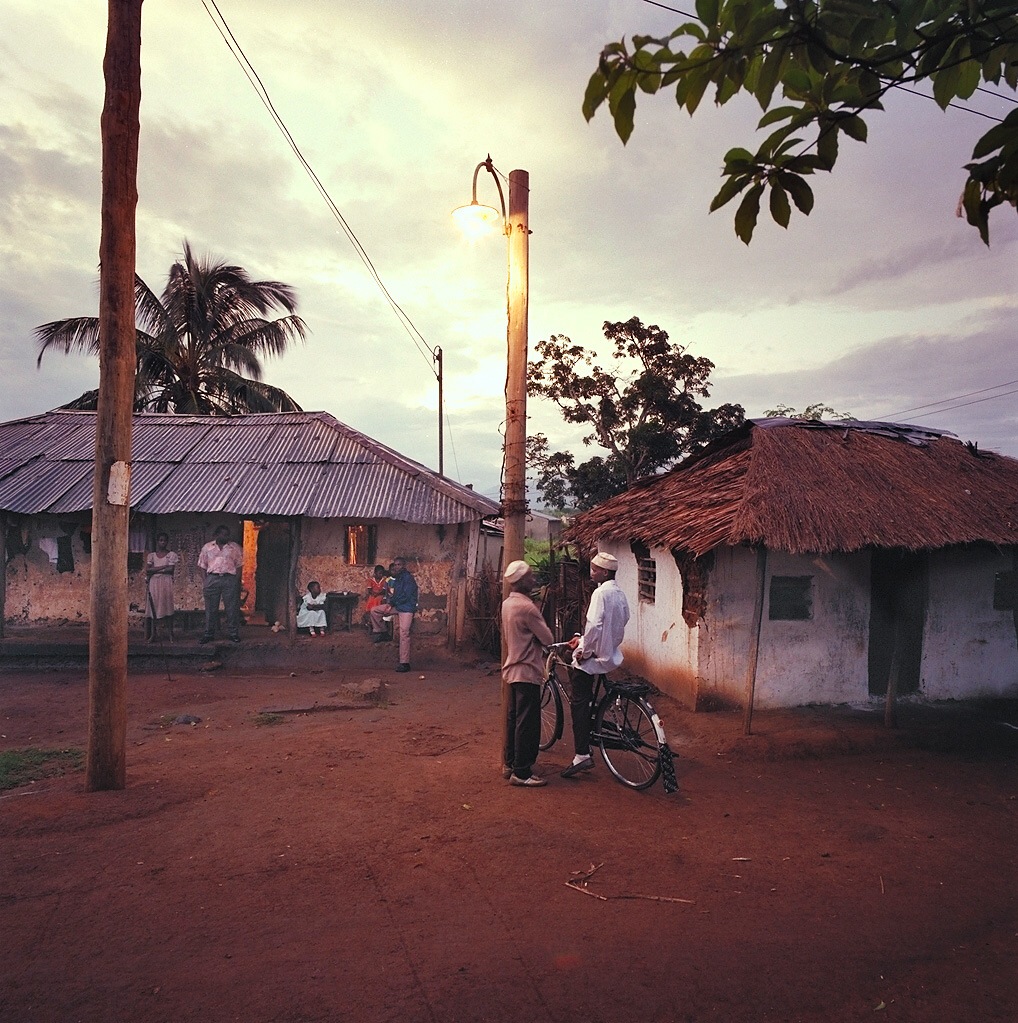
[[266, 570], [897, 594]]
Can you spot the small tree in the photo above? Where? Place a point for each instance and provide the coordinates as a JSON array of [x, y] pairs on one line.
[[830, 61], [817, 411], [646, 420]]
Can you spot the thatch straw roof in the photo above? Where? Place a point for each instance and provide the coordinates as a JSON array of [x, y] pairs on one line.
[[810, 487]]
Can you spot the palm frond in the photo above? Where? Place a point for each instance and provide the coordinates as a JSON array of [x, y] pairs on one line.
[[79, 333]]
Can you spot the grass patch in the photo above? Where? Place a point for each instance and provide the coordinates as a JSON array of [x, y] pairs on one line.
[[260, 720], [22, 766]]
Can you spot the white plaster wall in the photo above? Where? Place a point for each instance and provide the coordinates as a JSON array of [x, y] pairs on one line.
[[822, 660], [658, 644], [969, 649], [826, 659], [726, 628]]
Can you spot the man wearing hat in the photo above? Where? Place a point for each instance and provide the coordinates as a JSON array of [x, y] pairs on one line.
[[596, 652], [526, 634]]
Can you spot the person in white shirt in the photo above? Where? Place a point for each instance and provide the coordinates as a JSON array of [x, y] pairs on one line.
[[311, 615], [222, 561], [596, 652]]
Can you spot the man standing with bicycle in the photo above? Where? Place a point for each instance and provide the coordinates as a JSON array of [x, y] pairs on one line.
[[596, 652], [526, 635]]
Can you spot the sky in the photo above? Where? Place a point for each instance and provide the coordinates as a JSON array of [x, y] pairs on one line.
[[881, 304]]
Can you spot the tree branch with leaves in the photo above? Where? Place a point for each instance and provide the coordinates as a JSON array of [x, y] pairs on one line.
[[830, 62], [643, 411]]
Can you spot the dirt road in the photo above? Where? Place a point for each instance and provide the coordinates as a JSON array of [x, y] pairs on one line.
[[371, 865]]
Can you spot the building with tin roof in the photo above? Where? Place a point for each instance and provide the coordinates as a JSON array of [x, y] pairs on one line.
[[310, 497]]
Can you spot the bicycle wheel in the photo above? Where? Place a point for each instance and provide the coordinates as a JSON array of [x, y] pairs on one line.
[[551, 714], [625, 731]]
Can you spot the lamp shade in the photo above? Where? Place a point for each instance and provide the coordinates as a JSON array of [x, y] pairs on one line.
[[476, 220]]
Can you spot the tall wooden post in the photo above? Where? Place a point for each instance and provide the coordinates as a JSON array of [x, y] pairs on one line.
[[514, 502], [105, 762], [754, 639]]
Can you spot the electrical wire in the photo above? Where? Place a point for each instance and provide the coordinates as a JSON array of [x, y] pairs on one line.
[[958, 397], [962, 404], [253, 77]]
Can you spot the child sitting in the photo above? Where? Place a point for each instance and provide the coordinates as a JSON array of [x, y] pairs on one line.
[[311, 615], [377, 588]]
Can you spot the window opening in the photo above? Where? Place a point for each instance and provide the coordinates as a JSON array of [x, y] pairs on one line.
[[791, 598], [360, 543], [646, 577]]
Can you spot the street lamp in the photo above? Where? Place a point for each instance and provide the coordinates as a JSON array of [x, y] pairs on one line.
[[475, 219]]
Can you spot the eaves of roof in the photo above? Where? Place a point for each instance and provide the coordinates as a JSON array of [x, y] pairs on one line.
[[287, 464]]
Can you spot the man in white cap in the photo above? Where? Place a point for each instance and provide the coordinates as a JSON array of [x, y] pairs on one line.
[[596, 652], [526, 634]]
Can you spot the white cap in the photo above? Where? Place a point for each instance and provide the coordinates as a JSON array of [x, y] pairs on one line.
[[605, 561], [515, 571]]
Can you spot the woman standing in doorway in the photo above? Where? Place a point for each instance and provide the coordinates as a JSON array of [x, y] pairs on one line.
[[159, 568]]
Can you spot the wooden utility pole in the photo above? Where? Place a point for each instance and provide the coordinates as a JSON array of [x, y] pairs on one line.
[[754, 639], [514, 501], [105, 763]]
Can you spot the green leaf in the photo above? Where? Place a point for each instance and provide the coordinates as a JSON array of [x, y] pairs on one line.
[[827, 144], [690, 91], [969, 77], [770, 73], [729, 190], [622, 103], [796, 80], [781, 212], [726, 90], [799, 190], [854, 127], [597, 91], [945, 85], [777, 114], [746, 215], [707, 12], [737, 156], [997, 136]]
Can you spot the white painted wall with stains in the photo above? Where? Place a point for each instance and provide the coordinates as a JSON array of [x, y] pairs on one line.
[[969, 648]]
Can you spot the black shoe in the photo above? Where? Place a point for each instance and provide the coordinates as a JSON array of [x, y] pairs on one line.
[[378, 637], [403, 667], [235, 639], [574, 769]]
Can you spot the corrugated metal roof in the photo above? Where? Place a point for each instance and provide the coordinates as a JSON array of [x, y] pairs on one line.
[[278, 463]]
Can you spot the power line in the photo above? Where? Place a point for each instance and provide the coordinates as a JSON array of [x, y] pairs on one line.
[[958, 397], [253, 77], [963, 404]]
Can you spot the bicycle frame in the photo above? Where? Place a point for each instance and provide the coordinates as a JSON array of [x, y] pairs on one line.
[[624, 714]]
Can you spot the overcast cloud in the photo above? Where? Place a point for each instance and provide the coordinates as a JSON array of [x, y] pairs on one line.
[[879, 302]]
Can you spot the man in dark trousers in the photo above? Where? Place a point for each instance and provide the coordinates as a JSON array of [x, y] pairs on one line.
[[526, 634], [596, 652], [222, 561], [401, 603]]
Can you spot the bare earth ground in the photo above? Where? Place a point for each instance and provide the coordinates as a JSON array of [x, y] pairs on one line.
[[371, 864]]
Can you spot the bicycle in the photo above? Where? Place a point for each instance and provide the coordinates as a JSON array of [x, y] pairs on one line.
[[623, 725]]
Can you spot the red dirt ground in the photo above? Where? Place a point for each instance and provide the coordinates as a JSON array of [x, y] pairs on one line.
[[371, 864]]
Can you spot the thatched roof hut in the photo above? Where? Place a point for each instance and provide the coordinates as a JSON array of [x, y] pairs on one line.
[[819, 487]]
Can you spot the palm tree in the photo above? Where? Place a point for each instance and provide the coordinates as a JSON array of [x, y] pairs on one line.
[[200, 345]]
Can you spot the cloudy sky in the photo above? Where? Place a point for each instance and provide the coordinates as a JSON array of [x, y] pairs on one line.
[[881, 303]]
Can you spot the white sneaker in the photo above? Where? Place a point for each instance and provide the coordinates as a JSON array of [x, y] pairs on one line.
[[312, 631]]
